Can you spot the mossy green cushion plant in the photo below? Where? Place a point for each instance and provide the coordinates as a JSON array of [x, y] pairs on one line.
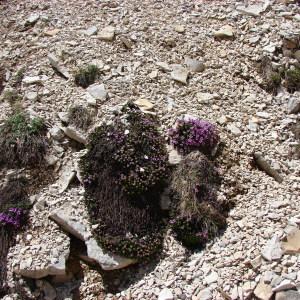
[[197, 216], [87, 75], [124, 172], [23, 141]]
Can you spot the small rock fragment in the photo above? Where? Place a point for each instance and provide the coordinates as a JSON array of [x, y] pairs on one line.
[[292, 246], [34, 79], [287, 295], [107, 33], [224, 32], [194, 65], [165, 294], [179, 28], [73, 134], [97, 91], [144, 104], [180, 74], [293, 106], [31, 96], [205, 294], [54, 62], [272, 250], [91, 31], [263, 291]]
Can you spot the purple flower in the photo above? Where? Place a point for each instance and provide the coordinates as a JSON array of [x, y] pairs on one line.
[[194, 134]]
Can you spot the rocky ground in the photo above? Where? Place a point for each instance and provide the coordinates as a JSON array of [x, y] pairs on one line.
[[185, 57]]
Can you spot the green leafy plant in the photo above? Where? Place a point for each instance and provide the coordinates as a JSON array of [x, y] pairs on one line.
[[197, 216], [23, 141], [80, 117], [292, 78], [87, 76], [124, 172]]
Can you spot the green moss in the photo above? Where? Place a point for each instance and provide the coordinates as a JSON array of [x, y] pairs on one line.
[[23, 141], [87, 76], [292, 78]]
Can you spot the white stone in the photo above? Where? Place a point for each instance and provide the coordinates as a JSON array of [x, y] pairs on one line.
[[31, 96], [27, 80], [224, 32], [107, 33], [97, 91], [285, 284], [165, 294], [194, 65], [233, 129], [211, 278], [91, 31], [293, 106]]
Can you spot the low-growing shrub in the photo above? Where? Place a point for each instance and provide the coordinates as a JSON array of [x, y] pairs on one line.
[[194, 134], [11, 96], [197, 216], [14, 208], [23, 141], [80, 117], [87, 76], [292, 78], [1, 80], [124, 171]]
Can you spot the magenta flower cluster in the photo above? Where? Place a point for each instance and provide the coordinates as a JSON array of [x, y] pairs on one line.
[[194, 134], [12, 217]]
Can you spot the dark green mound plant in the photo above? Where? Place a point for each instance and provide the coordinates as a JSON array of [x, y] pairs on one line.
[[80, 117], [196, 215], [87, 76], [14, 208], [292, 78], [124, 172], [23, 141]]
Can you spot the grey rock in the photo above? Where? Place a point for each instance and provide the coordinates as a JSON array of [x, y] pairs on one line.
[[234, 130], [194, 65], [91, 31], [73, 134], [97, 91], [211, 278], [55, 63], [293, 106], [32, 19], [174, 156], [285, 284], [56, 133], [263, 291], [67, 175], [70, 222], [287, 295], [251, 10], [272, 250], [63, 116], [164, 66], [31, 96], [27, 80], [297, 55], [180, 74]]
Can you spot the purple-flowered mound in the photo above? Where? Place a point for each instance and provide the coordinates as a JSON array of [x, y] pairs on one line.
[[194, 134]]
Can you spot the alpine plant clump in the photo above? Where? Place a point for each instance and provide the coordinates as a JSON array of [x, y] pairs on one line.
[[14, 208], [124, 172], [23, 141], [197, 215], [194, 134]]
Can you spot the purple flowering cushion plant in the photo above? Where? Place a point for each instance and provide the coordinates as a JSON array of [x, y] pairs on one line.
[[194, 134], [124, 172]]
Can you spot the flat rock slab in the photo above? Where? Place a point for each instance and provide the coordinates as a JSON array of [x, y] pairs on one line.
[[73, 218], [180, 74], [287, 295], [74, 134], [292, 246]]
